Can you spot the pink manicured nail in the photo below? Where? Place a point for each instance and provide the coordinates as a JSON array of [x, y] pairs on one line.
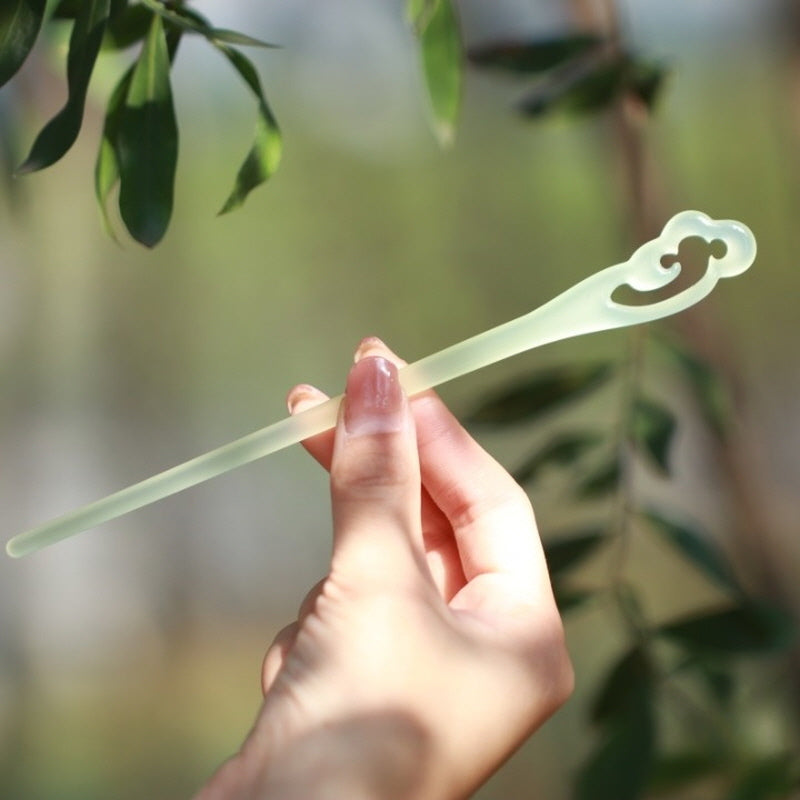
[[302, 397], [368, 346], [374, 399]]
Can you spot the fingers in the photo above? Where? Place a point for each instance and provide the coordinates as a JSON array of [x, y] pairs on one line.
[[304, 396], [444, 564], [436, 531], [490, 514], [276, 655], [375, 483], [301, 398], [285, 638]]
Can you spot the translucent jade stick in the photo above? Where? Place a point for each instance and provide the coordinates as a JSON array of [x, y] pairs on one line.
[[584, 308]]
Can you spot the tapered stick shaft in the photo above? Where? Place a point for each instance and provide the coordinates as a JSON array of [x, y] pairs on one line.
[[241, 451]]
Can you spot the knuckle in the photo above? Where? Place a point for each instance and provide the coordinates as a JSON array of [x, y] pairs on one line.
[[558, 673], [564, 682], [472, 507], [370, 472], [309, 601]]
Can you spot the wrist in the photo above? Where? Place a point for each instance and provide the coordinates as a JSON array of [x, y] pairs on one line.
[[379, 756]]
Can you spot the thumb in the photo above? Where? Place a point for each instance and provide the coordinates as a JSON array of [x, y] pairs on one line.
[[375, 480]]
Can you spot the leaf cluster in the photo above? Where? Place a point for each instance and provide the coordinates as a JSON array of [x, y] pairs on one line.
[[139, 145], [703, 647], [138, 151], [573, 73]]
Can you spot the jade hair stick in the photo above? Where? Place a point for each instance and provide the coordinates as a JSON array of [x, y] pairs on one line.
[[586, 307]]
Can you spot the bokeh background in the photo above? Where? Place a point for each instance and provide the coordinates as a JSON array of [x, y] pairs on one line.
[[130, 656]]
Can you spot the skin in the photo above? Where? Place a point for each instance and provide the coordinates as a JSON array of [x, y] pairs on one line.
[[433, 648]]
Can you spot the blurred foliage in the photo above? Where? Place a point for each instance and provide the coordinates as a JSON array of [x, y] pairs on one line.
[[581, 73], [576, 73], [704, 646]]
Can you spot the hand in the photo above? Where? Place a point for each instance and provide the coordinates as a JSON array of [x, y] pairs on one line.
[[433, 648]]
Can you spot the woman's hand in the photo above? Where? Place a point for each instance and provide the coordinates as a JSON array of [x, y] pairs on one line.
[[433, 648]]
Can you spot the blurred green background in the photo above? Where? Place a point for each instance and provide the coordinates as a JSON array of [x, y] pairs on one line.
[[130, 656]]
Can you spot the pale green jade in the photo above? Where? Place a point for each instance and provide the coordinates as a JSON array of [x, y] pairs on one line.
[[586, 307]]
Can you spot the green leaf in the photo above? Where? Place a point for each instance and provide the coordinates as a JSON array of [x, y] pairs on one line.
[[225, 36], [419, 12], [718, 679], [437, 28], [106, 177], [20, 21], [568, 550], [674, 771], [709, 390], [265, 154], [66, 9], [538, 55], [192, 22], [586, 86], [7, 151], [653, 429], [562, 450], [748, 628], [592, 81], [542, 392], [629, 604], [647, 82], [604, 479], [620, 767], [629, 684], [60, 133], [106, 170], [70, 9], [127, 27], [570, 599], [106, 174], [771, 778], [147, 143], [697, 547]]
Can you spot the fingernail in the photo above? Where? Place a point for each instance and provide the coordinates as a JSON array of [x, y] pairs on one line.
[[374, 399], [302, 397], [369, 346], [373, 346]]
